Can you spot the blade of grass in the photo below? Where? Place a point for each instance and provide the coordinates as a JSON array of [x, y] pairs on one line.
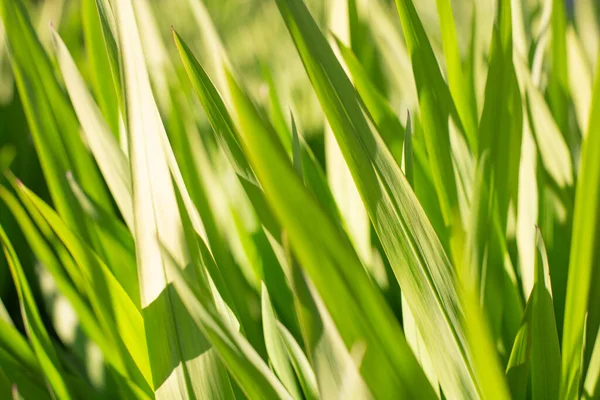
[[104, 146], [156, 215], [276, 350], [322, 262], [40, 340], [436, 105], [416, 254], [585, 252], [545, 349]]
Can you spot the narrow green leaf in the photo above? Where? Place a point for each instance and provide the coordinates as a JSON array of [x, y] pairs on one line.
[[177, 357], [436, 107], [242, 361], [416, 254], [104, 146], [378, 108], [545, 351], [101, 74], [276, 347], [322, 253], [518, 368], [500, 128], [114, 308], [585, 252], [464, 98], [50, 117], [301, 365], [40, 340]]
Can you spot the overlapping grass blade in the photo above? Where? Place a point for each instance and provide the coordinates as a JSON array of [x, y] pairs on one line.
[[113, 307], [464, 97], [302, 366], [585, 252], [436, 105], [276, 350], [40, 340], [323, 255], [416, 255], [242, 361], [545, 351], [50, 117], [178, 356], [103, 144]]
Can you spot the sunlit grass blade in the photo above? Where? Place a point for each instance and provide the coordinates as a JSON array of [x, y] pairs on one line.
[[585, 252], [304, 371], [500, 128], [545, 351], [558, 84], [464, 97], [551, 144], [242, 361], [322, 252], [415, 254], [38, 335], [44, 253], [436, 105], [177, 355], [101, 75], [485, 361], [103, 144], [50, 117], [376, 105], [580, 78], [114, 308], [276, 350]]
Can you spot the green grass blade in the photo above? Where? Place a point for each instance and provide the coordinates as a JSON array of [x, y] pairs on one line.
[[104, 146], [322, 252], [580, 78], [464, 98], [558, 85], [45, 254], [40, 340], [500, 128], [242, 361], [518, 368], [50, 117], [276, 350], [114, 308], [436, 105], [101, 74], [302, 367], [416, 254], [545, 349], [176, 368], [585, 253], [378, 108]]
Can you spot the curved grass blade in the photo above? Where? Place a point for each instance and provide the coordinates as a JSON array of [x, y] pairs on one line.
[[545, 349], [322, 253], [50, 117], [178, 355], [302, 367], [585, 252], [115, 310], [40, 340], [242, 361], [276, 350], [436, 105], [415, 253], [104, 146]]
